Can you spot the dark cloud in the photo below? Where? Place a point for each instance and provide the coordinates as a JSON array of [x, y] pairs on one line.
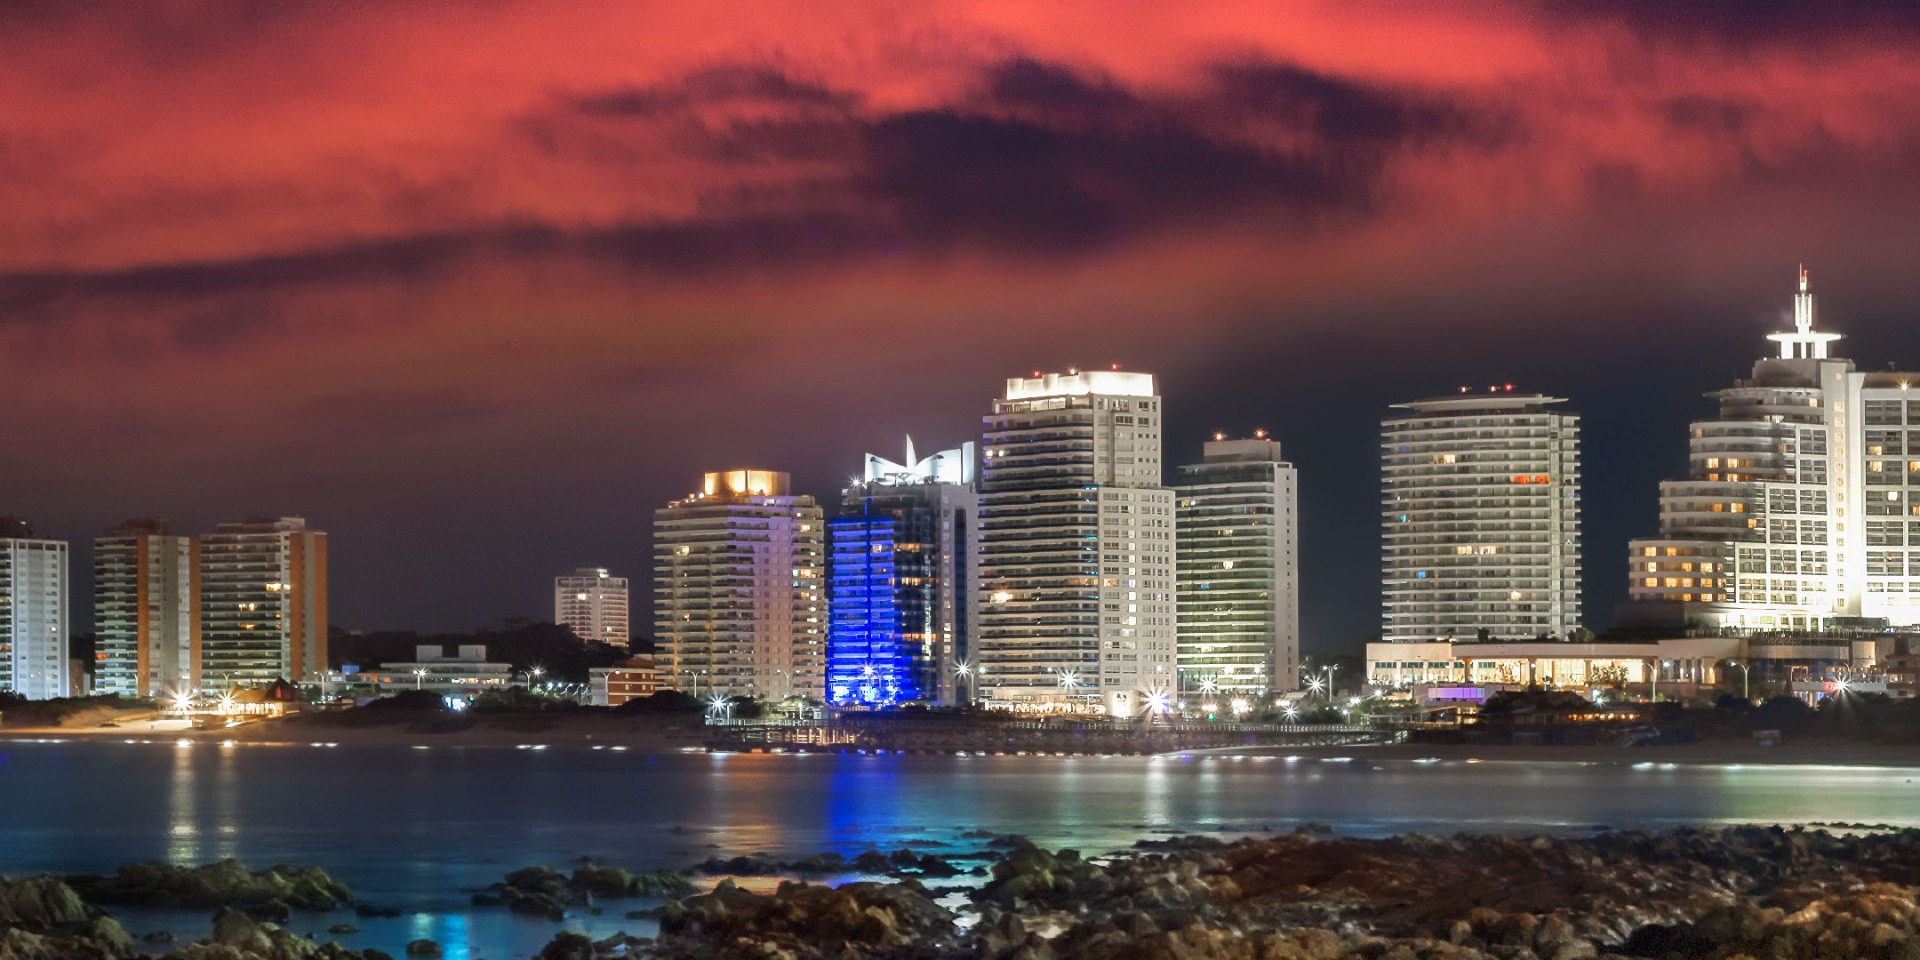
[[1016, 184], [1742, 22], [1344, 111], [1710, 115], [716, 85], [923, 181], [1025, 82]]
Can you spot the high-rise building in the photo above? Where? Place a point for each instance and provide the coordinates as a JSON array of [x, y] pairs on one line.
[[146, 610], [33, 612], [1480, 518], [1802, 500], [739, 597], [263, 603], [1238, 583], [902, 582], [1076, 546], [593, 603]]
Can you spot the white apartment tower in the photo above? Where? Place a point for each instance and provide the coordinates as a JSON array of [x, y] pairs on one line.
[[594, 603], [263, 603], [1076, 546], [146, 610], [33, 613], [1480, 518], [739, 591], [1238, 583], [1802, 500]]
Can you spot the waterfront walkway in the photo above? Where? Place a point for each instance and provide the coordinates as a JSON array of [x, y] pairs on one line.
[[1039, 735]]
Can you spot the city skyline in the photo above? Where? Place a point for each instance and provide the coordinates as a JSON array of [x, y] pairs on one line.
[[1591, 583], [444, 296]]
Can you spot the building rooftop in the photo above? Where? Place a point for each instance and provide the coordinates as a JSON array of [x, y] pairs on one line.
[[1495, 398], [1081, 383]]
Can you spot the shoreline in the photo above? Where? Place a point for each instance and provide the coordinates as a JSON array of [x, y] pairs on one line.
[[638, 735]]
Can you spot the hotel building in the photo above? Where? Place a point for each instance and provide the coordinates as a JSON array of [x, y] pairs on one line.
[[33, 613], [1801, 506], [739, 592], [1480, 518], [902, 582], [594, 604], [146, 610], [1238, 580], [1076, 546], [263, 604]]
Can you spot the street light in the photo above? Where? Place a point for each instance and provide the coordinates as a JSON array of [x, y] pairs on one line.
[[1746, 680], [419, 677]]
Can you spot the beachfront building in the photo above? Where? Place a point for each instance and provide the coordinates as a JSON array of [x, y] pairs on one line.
[[263, 604], [33, 613], [465, 674], [1480, 518], [1076, 546], [739, 591], [146, 610], [593, 603], [1801, 507], [630, 679], [902, 582], [1238, 577], [1670, 668]]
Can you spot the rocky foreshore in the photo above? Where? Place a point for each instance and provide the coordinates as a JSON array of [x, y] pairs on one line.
[[1748, 892], [1741, 892]]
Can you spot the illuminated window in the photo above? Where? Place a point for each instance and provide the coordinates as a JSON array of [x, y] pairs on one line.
[[1713, 463], [1652, 582]]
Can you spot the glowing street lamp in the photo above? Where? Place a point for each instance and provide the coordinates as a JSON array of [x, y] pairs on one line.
[[1210, 686], [1157, 702], [419, 678], [719, 706]]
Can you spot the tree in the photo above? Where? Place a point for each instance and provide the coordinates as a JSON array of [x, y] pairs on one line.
[[1580, 635]]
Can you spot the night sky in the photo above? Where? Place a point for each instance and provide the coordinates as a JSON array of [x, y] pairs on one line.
[[476, 286]]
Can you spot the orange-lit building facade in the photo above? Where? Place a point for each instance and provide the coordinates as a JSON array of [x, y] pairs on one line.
[[263, 603], [146, 610], [628, 680]]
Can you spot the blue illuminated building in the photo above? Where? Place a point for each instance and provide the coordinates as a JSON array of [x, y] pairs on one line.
[[901, 569]]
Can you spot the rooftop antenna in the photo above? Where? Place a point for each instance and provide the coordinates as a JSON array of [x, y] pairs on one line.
[[1804, 343]]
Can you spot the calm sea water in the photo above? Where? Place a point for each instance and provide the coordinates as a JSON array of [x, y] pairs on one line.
[[420, 829]]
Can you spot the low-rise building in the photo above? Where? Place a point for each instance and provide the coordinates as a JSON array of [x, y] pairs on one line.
[[629, 679], [1903, 672], [1679, 666], [466, 674]]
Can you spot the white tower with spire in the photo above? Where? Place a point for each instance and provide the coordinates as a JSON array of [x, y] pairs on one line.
[[1802, 502], [1803, 343]]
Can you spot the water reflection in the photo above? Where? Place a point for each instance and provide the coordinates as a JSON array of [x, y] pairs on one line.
[[183, 829]]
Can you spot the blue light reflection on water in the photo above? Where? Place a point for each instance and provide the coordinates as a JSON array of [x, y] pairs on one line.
[[422, 828]]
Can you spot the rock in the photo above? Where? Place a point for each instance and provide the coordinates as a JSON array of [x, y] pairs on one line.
[[567, 945], [854, 921], [369, 910], [222, 884], [274, 910], [343, 929], [423, 948], [40, 903]]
